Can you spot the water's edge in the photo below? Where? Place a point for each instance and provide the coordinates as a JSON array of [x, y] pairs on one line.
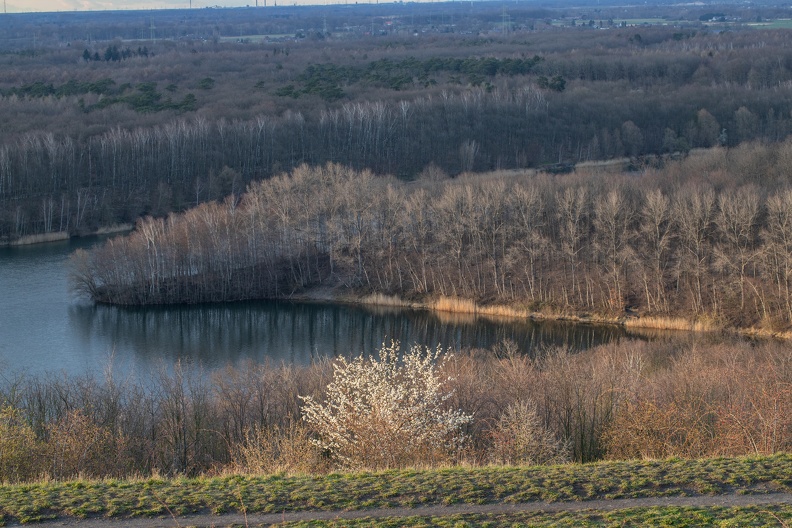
[[60, 236]]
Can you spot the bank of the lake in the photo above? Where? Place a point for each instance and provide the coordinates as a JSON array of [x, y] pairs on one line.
[[60, 236], [559, 248], [45, 328], [633, 323]]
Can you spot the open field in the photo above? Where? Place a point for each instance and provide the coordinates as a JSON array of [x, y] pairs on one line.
[[409, 488], [781, 23]]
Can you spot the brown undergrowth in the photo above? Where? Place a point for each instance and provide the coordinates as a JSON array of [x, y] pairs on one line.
[[633, 399]]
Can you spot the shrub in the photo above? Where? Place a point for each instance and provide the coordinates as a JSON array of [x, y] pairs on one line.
[[278, 449], [20, 452], [78, 446], [644, 429], [520, 438], [385, 412]]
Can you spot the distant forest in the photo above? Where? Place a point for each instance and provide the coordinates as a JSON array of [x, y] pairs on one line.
[[110, 127]]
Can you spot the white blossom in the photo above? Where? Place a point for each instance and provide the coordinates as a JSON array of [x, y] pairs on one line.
[[387, 411]]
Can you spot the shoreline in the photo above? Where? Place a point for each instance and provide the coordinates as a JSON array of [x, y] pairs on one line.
[[60, 236], [470, 307]]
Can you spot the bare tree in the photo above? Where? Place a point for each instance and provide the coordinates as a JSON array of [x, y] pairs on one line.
[[571, 212], [737, 223], [694, 211], [612, 219], [655, 242], [778, 247]]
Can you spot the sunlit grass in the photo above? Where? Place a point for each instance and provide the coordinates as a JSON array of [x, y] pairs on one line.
[[353, 491], [672, 323], [666, 516]]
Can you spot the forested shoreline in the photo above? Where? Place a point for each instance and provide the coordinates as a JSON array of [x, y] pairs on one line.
[[706, 238]]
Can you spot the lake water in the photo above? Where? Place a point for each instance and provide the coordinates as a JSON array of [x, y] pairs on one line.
[[45, 328]]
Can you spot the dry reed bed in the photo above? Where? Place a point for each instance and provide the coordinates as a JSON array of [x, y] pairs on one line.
[[468, 306]]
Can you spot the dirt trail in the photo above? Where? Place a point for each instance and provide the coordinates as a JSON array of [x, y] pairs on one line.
[[256, 519]]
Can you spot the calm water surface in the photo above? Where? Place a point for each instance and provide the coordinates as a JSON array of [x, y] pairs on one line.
[[45, 328]]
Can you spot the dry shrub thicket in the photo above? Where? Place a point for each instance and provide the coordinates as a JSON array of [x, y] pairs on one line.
[[634, 399]]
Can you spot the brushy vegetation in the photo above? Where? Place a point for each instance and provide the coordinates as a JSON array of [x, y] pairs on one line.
[[338, 491], [628, 400]]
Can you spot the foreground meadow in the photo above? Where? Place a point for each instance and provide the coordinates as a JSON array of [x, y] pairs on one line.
[[413, 488]]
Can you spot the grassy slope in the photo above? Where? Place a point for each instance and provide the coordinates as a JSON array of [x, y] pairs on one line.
[[632, 517], [276, 493]]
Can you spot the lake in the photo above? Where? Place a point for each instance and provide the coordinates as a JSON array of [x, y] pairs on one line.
[[45, 328]]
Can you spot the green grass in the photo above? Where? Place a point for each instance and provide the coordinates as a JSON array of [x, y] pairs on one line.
[[254, 39], [781, 23], [639, 21], [280, 493], [678, 517]]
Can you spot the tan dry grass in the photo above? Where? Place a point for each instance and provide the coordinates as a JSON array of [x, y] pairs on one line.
[[672, 323], [380, 299], [458, 305], [453, 304], [460, 310], [43, 238]]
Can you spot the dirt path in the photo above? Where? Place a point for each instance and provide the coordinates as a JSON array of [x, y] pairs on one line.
[[208, 520]]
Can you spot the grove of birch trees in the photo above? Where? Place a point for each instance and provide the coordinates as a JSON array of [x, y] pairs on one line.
[[695, 239]]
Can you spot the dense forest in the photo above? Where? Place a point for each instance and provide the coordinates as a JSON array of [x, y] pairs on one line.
[[698, 239], [98, 132]]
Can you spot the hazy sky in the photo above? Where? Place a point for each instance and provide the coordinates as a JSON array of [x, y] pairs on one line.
[[19, 6]]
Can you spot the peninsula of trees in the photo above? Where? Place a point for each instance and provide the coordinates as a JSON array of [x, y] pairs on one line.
[[697, 239]]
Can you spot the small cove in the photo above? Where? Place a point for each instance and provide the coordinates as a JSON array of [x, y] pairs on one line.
[[45, 328]]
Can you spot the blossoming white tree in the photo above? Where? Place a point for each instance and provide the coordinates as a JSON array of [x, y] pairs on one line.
[[387, 411]]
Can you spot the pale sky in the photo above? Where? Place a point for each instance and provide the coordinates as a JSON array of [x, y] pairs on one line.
[[26, 6]]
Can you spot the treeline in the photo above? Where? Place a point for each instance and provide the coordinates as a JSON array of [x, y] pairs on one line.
[[48, 182], [142, 98], [327, 80], [41, 89], [695, 240], [112, 53], [630, 400], [77, 154]]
